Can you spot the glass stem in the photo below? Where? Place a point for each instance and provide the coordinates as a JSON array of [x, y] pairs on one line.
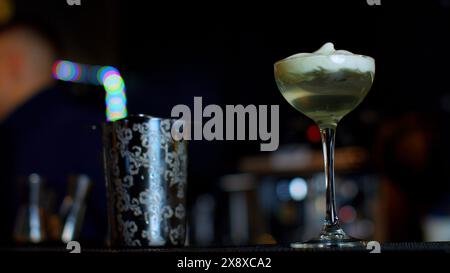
[[328, 136]]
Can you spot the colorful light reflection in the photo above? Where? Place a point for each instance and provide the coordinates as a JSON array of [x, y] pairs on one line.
[[107, 76]]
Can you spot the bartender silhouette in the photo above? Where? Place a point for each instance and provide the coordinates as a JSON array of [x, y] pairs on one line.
[[44, 128]]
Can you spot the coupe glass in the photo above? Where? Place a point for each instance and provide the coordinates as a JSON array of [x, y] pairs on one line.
[[326, 88]]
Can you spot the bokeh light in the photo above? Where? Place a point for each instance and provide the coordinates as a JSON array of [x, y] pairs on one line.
[[106, 71], [298, 189], [313, 134], [107, 76], [114, 83], [67, 71]]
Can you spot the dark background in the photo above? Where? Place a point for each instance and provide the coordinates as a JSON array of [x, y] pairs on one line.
[[169, 53]]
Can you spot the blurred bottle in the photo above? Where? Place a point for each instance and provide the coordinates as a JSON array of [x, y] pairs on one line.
[[245, 226], [203, 212], [73, 207], [30, 225]]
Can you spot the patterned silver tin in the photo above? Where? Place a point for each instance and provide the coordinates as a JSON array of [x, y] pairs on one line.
[[145, 170]]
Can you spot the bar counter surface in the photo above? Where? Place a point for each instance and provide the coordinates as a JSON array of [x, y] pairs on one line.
[[431, 247]]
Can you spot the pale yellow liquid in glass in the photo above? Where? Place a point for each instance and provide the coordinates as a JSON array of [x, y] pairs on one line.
[[324, 96]]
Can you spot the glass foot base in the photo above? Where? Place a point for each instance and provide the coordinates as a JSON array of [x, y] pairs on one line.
[[317, 243], [332, 237]]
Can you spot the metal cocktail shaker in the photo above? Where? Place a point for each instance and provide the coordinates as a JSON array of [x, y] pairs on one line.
[[145, 171]]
